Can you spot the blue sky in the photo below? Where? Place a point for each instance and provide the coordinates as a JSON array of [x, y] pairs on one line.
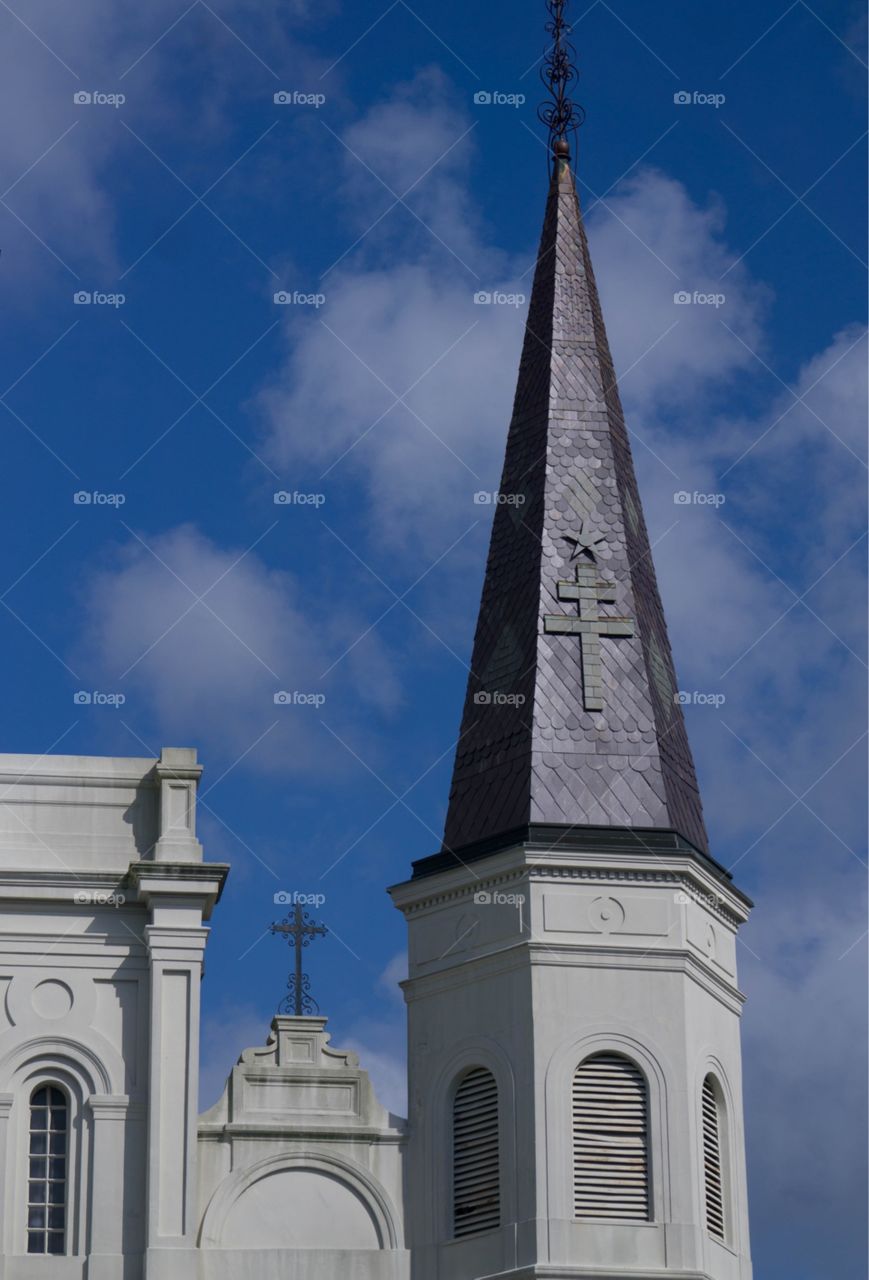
[[188, 404]]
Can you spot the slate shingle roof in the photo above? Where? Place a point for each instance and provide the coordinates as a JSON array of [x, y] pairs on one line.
[[532, 754]]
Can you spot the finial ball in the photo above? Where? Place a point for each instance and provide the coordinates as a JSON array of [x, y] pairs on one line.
[[561, 148]]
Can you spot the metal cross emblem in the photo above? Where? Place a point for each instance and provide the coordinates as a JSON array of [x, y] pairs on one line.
[[299, 930], [589, 592]]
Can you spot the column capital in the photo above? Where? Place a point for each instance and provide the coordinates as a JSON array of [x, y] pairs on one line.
[[178, 774], [108, 1106], [162, 883], [181, 945]]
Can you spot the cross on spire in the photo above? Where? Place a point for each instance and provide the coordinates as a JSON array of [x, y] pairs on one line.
[[561, 115], [299, 930], [588, 592]]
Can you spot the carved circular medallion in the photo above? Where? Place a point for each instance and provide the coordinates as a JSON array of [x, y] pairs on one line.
[[51, 999], [606, 914]]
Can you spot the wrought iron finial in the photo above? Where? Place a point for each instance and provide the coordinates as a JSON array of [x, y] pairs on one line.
[[299, 929], [562, 115]]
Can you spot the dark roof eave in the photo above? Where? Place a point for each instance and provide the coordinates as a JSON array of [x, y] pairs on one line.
[[571, 838]]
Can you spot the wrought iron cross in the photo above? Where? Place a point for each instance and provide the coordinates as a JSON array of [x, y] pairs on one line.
[[299, 929], [589, 592], [561, 114]]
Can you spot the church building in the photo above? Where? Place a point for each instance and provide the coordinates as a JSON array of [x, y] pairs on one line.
[[573, 1013]]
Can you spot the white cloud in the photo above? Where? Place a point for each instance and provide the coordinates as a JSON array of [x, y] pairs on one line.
[[201, 637], [386, 1068], [223, 1038], [58, 184], [403, 332], [394, 973], [651, 241]]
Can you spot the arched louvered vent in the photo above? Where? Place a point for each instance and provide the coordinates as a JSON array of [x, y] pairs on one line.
[[712, 1161], [476, 1172], [610, 1140]]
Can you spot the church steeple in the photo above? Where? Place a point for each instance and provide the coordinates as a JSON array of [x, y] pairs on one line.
[[571, 717], [573, 1008]]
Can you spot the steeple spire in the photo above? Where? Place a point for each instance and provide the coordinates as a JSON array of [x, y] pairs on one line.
[[571, 720]]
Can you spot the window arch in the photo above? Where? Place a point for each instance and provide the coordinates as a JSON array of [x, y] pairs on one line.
[[476, 1154], [47, 1181], [713, 1145], [610, 1139]]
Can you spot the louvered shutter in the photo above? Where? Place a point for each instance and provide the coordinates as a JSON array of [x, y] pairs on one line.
[[476, 1173], [610, 1140], [712, 1161]]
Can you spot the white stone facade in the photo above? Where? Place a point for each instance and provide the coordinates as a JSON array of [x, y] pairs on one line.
[[103, 898], [301, 1168], [524, 963]]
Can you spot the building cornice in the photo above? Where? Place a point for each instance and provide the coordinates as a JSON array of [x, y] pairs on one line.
[[528, 953], [677, 870]]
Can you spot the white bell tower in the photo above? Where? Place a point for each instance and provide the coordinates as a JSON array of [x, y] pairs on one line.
[[575, 1088], [597, 985]]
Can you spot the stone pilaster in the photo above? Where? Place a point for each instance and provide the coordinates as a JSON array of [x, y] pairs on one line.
[[107, 1186], [6, 1100], [178, 774], [180, 896]]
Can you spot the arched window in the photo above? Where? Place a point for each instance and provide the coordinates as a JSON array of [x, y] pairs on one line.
[[713, 1181], [476, 1155], [47, 1174], [610, 1139]]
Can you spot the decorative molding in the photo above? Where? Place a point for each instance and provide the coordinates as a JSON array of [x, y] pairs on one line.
[[687, 877], [355, 1178]]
